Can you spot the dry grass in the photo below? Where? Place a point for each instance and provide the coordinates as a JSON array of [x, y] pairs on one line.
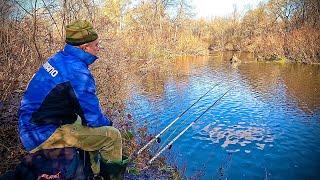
[[29, 37]]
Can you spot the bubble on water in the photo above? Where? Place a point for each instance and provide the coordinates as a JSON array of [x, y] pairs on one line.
[[244, 143], [260, 146], [216, 141], [233, 151], [228, 142], [229, 134], [268, 140], [206, 128], [247, 151]]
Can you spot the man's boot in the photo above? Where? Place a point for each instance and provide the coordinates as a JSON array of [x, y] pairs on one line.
[[113, 170]]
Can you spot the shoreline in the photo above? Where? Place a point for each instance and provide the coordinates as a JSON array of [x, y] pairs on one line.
[[11, 150]]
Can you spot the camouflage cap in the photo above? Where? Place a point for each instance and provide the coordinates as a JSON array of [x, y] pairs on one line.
[[80, 32]]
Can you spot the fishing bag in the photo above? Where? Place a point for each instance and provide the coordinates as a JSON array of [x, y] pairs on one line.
[[53, 164]]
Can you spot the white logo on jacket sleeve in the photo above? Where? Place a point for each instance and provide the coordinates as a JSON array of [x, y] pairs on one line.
[[50, 69]]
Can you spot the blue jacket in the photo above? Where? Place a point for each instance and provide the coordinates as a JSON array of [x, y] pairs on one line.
[[61, 89]]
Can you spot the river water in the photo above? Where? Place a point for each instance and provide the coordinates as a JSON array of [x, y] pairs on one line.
[[266, 127]]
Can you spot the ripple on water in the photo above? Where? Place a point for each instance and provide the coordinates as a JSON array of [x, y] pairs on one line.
[[239, 135]]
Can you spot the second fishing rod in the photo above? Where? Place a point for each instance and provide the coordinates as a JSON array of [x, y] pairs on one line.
[[168, 146], [175, 120]]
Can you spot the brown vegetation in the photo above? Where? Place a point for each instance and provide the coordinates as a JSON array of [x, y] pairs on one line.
[[135, 36], [286, 28]]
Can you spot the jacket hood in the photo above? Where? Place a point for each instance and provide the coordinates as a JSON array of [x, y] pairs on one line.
[[80, 54]]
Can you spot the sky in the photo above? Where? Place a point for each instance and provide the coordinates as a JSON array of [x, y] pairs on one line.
[[212, 8]]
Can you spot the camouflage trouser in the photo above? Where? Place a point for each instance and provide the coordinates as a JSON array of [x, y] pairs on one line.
[[102, 141]]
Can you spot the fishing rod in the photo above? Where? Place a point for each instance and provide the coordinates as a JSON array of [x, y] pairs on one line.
[[180, 115], [182, 132]]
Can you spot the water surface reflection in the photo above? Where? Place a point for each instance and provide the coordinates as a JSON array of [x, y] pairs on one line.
[[267, 126]]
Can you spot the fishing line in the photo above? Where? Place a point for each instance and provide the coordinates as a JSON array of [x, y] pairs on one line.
[[180, 115], [158, 120], [183, 122], [182, 132]]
